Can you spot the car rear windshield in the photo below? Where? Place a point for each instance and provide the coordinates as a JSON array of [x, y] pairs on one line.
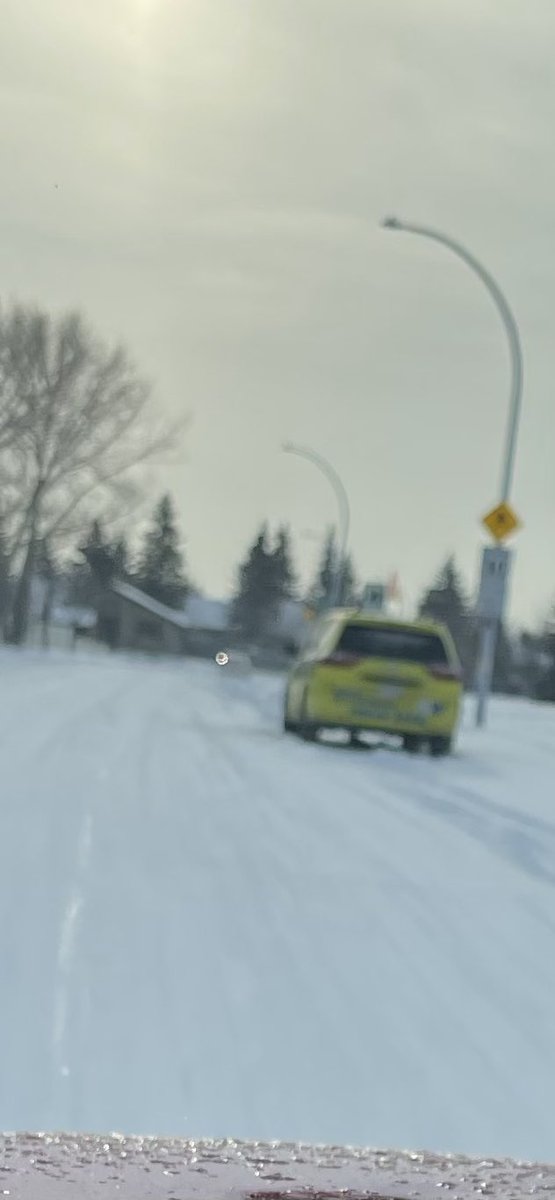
[[406, 645]]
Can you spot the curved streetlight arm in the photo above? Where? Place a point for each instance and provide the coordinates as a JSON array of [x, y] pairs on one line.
[[511, 329], [342, 503]]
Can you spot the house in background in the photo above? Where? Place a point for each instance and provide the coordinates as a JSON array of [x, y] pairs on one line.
[[123, 617], [129, 619]]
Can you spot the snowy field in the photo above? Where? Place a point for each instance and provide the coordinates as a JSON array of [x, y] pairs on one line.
[[208, 929]]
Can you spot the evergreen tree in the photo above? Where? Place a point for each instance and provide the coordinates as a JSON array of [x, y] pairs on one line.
[[121, 558], [546, 681], [160, 571], [504, 673], [321, 592], [101, 562], [282, 559], [446, 601], [528, 662], [97, 553], [256, 604], [95, 538], [91, 569], [349, 587]]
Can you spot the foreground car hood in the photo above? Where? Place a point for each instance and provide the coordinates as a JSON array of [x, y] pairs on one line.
[[56, 1167]]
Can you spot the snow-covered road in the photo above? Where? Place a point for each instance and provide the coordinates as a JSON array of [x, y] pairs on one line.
[[208, 929]]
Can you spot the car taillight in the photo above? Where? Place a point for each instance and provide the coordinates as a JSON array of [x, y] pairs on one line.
[[341, 658], [443, 671]]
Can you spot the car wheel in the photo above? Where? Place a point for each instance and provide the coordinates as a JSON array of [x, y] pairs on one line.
[[440, 747], [412, 744], [309, 733], [288, 725], [306, 729]]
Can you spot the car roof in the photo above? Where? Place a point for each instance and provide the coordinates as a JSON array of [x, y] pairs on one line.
[[356, 616]]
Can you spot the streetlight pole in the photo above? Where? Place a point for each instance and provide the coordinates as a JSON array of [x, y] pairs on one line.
[[489, 628], [344, 512]]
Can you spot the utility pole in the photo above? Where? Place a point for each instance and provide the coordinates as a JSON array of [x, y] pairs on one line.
[[502, 521]]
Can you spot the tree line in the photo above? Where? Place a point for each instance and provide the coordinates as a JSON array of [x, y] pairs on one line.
[[156, 568], [524, 662], [267, 577], [76, 425]]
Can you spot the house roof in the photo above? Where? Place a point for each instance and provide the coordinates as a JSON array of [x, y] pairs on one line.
[[206, 613], [202, 612], [199, 612], [148, 604]]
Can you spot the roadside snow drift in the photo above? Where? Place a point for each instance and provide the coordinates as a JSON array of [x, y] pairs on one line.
[[209, 929]]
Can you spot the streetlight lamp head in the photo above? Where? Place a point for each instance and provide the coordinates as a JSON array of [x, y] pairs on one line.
[[391, 223], [287, 447]]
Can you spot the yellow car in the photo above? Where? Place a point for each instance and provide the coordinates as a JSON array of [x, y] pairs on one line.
[[365, 673]]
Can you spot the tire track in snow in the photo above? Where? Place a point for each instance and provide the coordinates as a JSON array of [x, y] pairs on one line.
[[385, 784], [239, 932], [65, 959]]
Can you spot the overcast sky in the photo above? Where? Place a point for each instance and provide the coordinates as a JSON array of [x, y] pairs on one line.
[[205, 180]]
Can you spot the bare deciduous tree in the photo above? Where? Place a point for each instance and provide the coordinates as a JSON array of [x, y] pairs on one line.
[[13, 403], [74, 421]]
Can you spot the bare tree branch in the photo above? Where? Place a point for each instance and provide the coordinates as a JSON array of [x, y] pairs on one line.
[[75, 419]]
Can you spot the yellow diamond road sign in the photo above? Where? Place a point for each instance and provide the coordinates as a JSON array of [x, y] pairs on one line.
[[501, 522]]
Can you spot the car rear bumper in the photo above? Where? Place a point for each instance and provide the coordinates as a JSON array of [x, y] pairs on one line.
[[432, 715], [388, 728]]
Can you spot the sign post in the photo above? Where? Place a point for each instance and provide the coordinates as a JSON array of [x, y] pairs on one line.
[[501, 522], [373, 597], [494, 578]]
